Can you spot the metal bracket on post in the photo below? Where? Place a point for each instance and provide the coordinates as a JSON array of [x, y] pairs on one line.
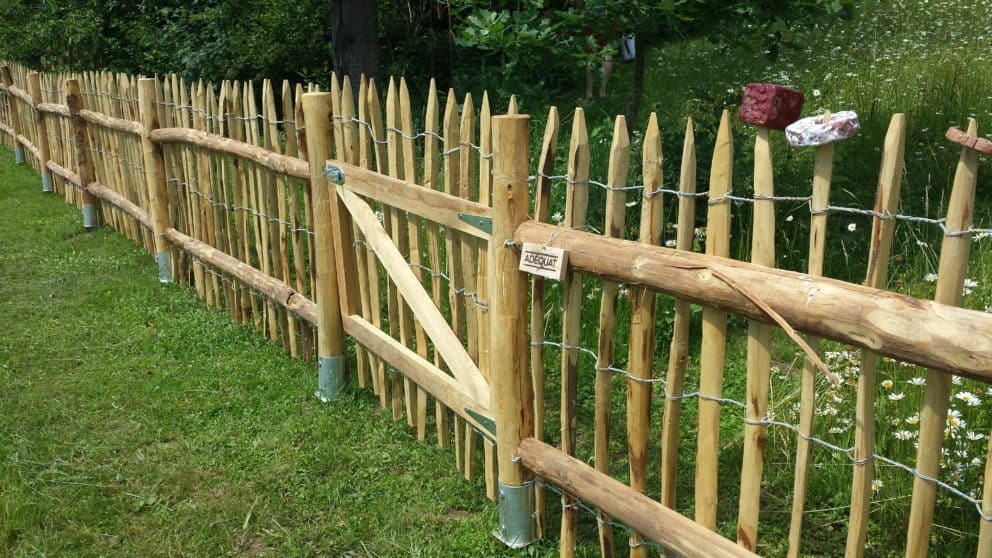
[[484, 224], [89, 216], [334, 174], [46, 183], [330, 378], [164, 267], [19, 155], [516, 515]]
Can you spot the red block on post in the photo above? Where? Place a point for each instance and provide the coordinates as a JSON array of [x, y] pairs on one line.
[[770, 106]]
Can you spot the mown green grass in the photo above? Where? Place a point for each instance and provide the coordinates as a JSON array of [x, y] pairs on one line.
[[134, 421]]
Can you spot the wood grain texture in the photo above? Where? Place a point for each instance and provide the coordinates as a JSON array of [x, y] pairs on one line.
[[643, 514]]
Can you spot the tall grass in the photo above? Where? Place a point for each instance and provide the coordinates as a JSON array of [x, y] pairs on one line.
[[921, 58]]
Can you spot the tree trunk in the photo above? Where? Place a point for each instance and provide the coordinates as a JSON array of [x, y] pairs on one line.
[[355, 39], [637, 83]]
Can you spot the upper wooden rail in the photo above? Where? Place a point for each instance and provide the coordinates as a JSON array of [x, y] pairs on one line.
[[55, 108], [20, 94], [427, 203], [119, 124], [280, 163], [891, 324]]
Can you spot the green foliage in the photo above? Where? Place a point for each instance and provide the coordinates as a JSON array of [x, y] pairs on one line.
[[209, 39]]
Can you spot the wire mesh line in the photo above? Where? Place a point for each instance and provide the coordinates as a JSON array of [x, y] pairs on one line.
[[230, 207], [768, 421], [939, 222], [472, 296]]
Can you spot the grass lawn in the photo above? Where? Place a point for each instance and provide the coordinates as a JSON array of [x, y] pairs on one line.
[[134, 421]]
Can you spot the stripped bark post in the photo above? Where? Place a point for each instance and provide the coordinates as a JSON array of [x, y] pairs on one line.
[[482, 280], [513, 395], [679, 352], [350, 148], [712, 356], [74, 99], [418, 408], [576, 206], [452, 242], [41, 128], [374, 112], [642, 325], [401, 320], [886, 202], [616, 210], [542, 207], [953, 267], [330, 332], [15, 120], [467, 189], [155, 176], [431, 166], [759, 355], [822, 173]]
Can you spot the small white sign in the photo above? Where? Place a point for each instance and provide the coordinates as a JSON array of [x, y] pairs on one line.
[[545, 261]]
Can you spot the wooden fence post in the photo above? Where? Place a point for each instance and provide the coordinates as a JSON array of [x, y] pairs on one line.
[[154, 163], [74, 98], [330, 332], [513, 394], [15, 121], [41, 126]]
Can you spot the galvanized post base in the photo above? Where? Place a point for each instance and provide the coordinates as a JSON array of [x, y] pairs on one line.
[[46, 183], [516, 515], [89, 216], [330, 378], [164, 267], [19, 155]]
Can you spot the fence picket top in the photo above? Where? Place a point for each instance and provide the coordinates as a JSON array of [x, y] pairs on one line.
[[679, 350], [951, 273], [576, 205]]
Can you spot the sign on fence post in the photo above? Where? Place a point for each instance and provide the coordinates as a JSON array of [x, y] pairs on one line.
[[513, 394], [41, 127], [154, 164], [74, 98], [330, 331]]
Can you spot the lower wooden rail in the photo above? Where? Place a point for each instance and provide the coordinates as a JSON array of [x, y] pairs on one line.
[[439, 384], [271, 287], [23, 140], [656, 522]]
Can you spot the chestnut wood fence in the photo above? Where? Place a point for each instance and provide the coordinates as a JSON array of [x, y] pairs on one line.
[[318, 216]]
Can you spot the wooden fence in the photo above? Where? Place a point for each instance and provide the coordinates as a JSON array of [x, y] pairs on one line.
[[320, 215]]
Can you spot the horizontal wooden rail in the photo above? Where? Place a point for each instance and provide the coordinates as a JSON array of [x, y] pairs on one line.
[[617, 500], [435, 381], [64, 173], [271, 287], [119, 124], [20, 94], [124, 204], [891, 324], [279, 163], [430, 204], [102, 192], [55, 108], [29, 146]]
